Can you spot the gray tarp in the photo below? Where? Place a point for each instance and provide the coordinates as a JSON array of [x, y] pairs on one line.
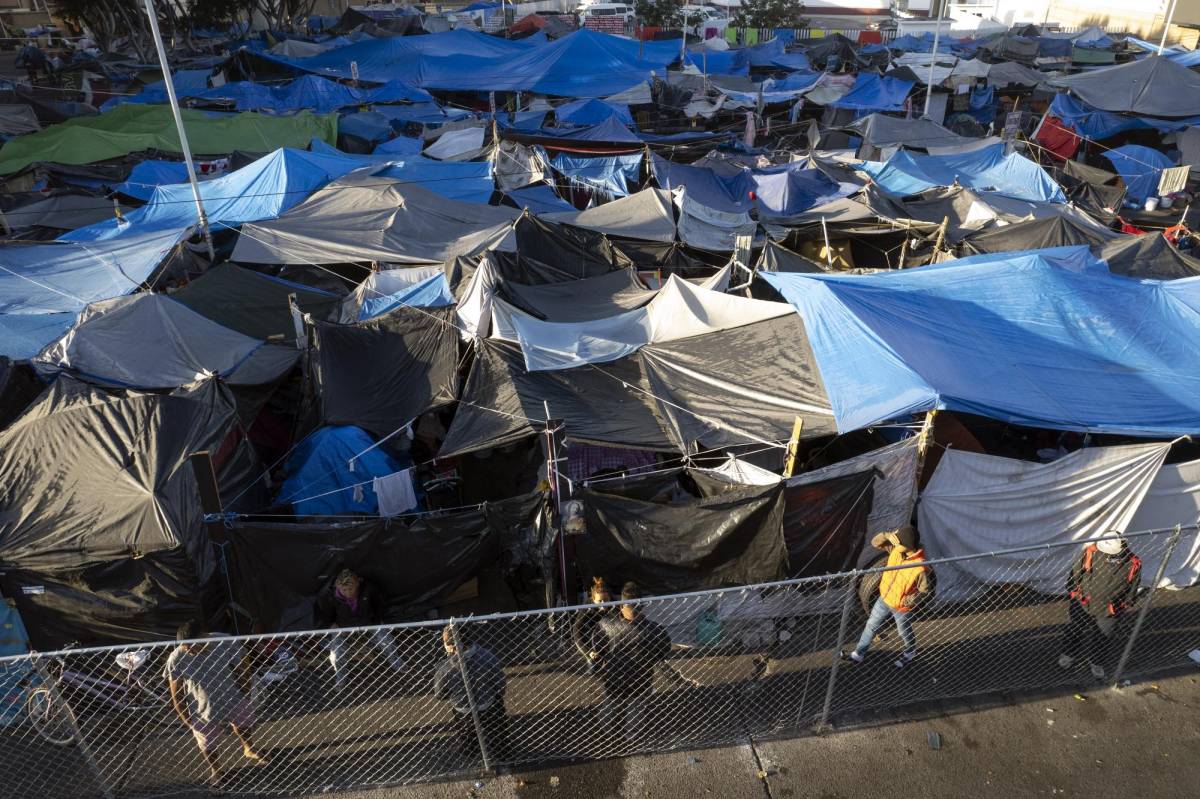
[[367, 218], [878, 130], [152, 341], [746, 384], [580, 300], [17, 119], [253, 304], [1149, 255], [62, 212], [1154, 86], [646, 215]]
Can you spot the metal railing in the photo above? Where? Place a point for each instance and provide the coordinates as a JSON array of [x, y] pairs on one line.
[[365, 707]]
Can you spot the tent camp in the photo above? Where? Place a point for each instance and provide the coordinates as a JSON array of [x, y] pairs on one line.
[[1154, 87]]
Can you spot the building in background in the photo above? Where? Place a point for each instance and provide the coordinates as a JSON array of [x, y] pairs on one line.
[[1143, 18]]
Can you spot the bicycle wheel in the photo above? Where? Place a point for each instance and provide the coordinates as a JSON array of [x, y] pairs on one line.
[[53, 720]]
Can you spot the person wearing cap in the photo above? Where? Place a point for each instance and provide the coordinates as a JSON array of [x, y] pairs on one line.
[[1102, 585], [351, 601], [901, 591]]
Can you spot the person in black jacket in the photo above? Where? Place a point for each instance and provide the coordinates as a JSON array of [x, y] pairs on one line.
[[351, 601], [488, 685], [1103, 585], [631, 648]]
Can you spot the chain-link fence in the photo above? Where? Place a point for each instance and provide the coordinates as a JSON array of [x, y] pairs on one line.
[[318, 711]]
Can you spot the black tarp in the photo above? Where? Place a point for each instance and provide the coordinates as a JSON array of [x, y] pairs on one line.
[[383, 373], [551, 253], [777, 258], [19, 386], [101, 538], [1149, 255], [278, 568], [1155, 86], [251, 303], [745, 384], [683, 531], [1093, 189], [1060, 230], [579, 300], [825, 523]]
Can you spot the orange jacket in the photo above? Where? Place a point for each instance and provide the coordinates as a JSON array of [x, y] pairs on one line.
[[900, 587]]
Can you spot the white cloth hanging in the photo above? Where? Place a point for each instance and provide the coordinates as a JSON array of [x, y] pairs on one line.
[[395, 492]]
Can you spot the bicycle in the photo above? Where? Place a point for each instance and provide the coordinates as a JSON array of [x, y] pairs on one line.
[[52, 710]]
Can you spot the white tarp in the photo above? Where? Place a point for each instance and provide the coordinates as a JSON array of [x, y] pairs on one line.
[[895, 488], [679, 310], [982, 503], [1173, 499], [457, 145]]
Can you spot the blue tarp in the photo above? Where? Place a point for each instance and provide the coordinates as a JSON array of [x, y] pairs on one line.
[[780, 190], [920, 43], [727, 193], [764, 55], [782, 89], [43, 286], [793, 61], [1096, 124], [582, 64], [982, 104], [1140, 167], [874, 93], [401, 145], [370, 126], [786, 190], [616, 175], [1048, 338], [260, 190], [187, 82], [308, 92], [320, 465], [430, 115], [468, 181], [987, 169], [591, 112], [719, 62], [432, 292], [539, 199], [1177, 53], [146, 176]]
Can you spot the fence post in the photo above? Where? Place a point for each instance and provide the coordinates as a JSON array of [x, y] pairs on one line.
[[1145, 608], [851, 593], [57, 698], [462, 668]]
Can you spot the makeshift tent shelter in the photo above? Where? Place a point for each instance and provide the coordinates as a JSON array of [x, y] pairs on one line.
[[323, 470], [386, 290], [151, 341], [420, 348], [646, 215], [43, 286], [17, 119], [100, 515], [1062, 230], [1140, 169], [591, 112], [252, 303], [988, 169], [961, 335], [982, 502], [368, 218], [59, 213], [871, 92], [1154, 87], [133, 128], [416, 563], [1149, 255], [879, 132]]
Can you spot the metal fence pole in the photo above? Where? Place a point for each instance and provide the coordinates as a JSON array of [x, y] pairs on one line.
[[851, 593], [1145, 609], [57, 698], [462, 668]]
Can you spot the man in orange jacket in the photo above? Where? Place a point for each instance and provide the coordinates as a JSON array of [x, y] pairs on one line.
[[901, 591]]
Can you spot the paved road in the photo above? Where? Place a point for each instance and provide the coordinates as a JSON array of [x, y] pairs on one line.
[[1139, 741]]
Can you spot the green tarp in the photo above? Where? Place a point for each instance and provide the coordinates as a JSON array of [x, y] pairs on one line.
[[132, 128]]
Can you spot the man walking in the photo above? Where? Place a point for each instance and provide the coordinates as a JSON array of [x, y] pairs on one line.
[[1102, 585], [209, 684], [901, 591], [488, 685]]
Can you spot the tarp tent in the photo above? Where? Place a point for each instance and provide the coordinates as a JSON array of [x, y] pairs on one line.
[[871, 92], [1154, 86], [44, 285], [1088, 349], [1062, 230], [133, 128], [309, 92], [420, 349], [323, 470], [668, 539], [646, 215], [186, 82], [592, 111], [278, 569], [1147, 255], [1140, 168], [988, 169], [151, 341], [62, 212], [880, 131], [252, 303], [368, 218], [100, 516]]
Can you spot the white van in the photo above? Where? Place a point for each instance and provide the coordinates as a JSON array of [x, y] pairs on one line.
[[621, 10]]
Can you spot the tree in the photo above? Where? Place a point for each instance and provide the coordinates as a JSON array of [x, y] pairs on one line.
[[770, 14], [659, 13]]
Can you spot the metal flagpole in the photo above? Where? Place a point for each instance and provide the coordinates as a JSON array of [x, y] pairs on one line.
[[1167, 25], [937, 34], [183, 141]]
